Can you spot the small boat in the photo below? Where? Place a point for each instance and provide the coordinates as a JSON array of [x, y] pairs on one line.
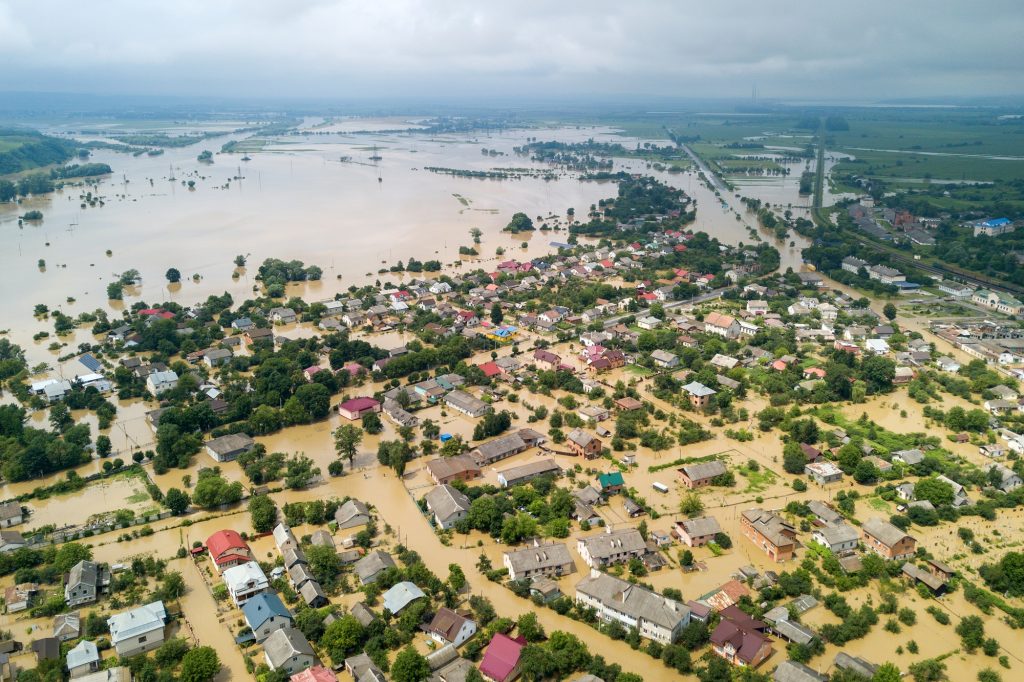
[[246, 158]]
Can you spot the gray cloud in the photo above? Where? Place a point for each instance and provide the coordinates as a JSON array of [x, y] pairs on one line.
[[351, 48]]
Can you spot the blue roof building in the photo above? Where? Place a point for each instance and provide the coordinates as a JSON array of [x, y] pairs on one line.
[[266, 613], [401, 595]]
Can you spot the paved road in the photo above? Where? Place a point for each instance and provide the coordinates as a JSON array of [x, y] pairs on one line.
[[714, 179]]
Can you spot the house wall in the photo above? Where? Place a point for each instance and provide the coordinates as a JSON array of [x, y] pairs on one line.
[[140, 643], [294, 664]]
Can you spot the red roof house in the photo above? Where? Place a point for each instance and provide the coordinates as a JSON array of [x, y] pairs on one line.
[[356, 407], [227, 549], [738, 639], [317, 673], [490, 369], [501, 660]]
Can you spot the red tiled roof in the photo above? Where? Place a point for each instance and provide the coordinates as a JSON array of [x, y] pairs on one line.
[[317, 673], [490, 369]]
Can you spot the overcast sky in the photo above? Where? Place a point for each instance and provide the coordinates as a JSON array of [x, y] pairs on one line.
[[457, 48]]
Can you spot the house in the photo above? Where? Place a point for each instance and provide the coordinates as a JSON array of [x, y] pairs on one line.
[[697, 532], [740, 639], [877, 346], [839, 538], [215, 357], [648, 322], [160, 382], [721, 324], [67, 626], [458, 468], [85, 581], [518, 475], [355, 408], [372, 565], [611, 547], [824, 472], [362, 669], [583, 443], [313, 595], [11, 514], [770, 532], [11, 540], [664, 359], [844, 661], [266, 613], [546, 359], [852, 264], [282, 315], [701, 474], [228, 448], [447, 504], [287, 649], [824, 513], [792, 671], [352, 514], [401, 595], [935, 582], [993, 227], [756, 307], [505, 446], [955, 289], [1003, 477], [17, 597], [888, 541], [611, 482], [449, 627], [45, 649], [139, 630], [501, 660], [655, 617], [539, 559], [700, 395], [908, 457], [811, 279], [227, 548], [83, 659], [245, 581], [317, 673], [466, 404], [628, 404]]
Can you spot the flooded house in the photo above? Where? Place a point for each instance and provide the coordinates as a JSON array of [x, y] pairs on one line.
[[372, 565], [447, 504], [245, 581], [228, 448], [351, 515], [227, 548], [288, 649], [656, 617], [86, 580], [611, 547], [138, 630], [539, 559], [450, 627], [266, 613]]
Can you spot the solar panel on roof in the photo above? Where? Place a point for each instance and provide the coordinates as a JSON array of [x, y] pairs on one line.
[[91, 362]]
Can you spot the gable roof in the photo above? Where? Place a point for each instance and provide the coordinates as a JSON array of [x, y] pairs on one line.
[[502, 656], [262, 607], [401, 595], [283, 644], [137, 621], [222, 541]]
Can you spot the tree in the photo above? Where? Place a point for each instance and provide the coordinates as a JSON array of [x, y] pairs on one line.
[[240, 261], [520, 223], [889, 311], [263, 512], [372, 423], [60, 417], [887, 672], [939, 493], [103, 445], [928, 670], [410, 666], [199, 665], [173, 586], [69, 554], [315, 398], [342, 638], [972, 632], [347, 438], [530, 627], [691, 505], [793, 459], [173, 276], [496, 313], [475, 233], [177, 501]]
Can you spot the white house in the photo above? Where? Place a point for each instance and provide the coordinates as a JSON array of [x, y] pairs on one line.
[[655, 617], [245, 581], [161, 382], [138, 630]]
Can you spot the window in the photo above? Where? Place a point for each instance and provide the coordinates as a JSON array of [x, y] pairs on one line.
[[142, 639]]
